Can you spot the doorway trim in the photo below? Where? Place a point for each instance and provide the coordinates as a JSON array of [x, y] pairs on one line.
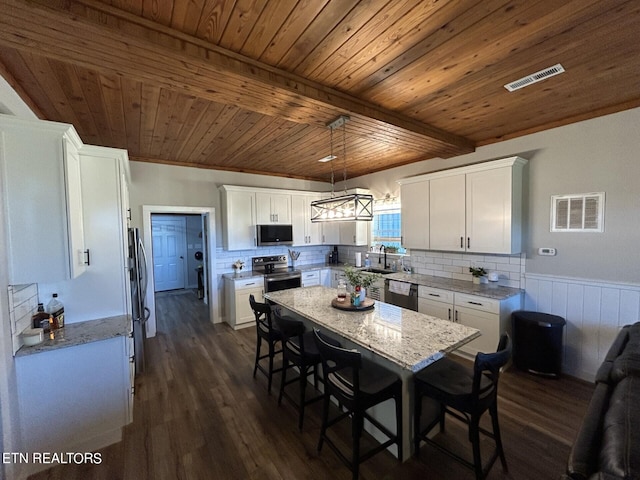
[[212, 285]]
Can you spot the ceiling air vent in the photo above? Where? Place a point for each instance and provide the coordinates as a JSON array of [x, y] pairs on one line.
[[535, 78]]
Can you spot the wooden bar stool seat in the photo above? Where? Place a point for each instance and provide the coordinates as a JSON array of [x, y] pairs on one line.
[[357, 384], [265, 331], [465, 394]]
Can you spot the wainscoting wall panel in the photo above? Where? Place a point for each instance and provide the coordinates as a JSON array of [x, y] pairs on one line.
[[595, 312]]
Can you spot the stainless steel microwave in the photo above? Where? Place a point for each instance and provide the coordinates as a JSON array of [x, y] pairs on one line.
[[274, 235]]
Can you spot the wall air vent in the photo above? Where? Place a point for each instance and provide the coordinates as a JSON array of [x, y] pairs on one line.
[[582, 212], [535, 78]]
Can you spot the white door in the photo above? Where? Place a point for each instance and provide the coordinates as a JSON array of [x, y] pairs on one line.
[[169, 250]]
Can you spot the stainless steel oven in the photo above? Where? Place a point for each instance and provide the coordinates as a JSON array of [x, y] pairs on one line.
[[281, 281], [277, 275]]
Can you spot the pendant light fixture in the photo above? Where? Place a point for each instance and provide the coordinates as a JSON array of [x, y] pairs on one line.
[[347, 207]]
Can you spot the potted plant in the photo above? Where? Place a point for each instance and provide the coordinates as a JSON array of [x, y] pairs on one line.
[[477, 273], [237, 266], [358, 278]]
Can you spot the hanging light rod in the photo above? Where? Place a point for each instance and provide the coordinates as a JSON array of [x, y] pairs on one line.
[[348, 207], [338, 122]]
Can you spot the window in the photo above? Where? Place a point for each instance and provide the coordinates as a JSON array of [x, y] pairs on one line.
[[386, 229], [582, 212]]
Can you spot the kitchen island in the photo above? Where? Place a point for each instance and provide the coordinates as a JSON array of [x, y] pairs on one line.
[[402, 340]]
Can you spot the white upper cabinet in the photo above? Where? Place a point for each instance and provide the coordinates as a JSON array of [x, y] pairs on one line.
[[43, 198], [273, 208], [238, 218], [354, 233], [415, 214], [447, 213], [477, 208], [305, 232], [494, 208], [245, 207], [105, 230]]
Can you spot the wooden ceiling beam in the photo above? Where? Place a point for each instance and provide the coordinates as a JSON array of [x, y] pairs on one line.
[[195, 67]]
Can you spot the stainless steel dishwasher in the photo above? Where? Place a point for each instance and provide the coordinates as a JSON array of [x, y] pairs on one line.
[[409, 301]]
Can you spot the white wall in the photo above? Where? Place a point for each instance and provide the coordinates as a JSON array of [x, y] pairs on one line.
[[591, 156], [155, 184]]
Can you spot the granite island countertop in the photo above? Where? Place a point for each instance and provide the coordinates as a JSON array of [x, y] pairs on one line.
[[81, 333], [411, 340]]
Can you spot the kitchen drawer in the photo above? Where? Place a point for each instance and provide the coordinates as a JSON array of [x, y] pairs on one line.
[[249, 283], [311, 278], [435, 294], [477, 303]]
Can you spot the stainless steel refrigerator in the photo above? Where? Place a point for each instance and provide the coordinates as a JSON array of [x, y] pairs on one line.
[[139, 281]]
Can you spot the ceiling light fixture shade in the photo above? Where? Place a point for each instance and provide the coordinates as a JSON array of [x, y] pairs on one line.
[[348, 207]]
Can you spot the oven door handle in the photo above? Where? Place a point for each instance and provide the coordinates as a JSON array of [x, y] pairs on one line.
[[280, 278]]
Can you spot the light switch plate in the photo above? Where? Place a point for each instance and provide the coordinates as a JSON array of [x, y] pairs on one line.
[[548, 251]]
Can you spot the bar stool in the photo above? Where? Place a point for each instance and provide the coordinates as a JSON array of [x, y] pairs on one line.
[[300, 351], [358, 384], [464, 394], [265, 331]]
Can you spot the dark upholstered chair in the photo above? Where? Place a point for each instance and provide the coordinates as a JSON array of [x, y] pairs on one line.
[[358, 384], [465, 394], [265, 331], [300, 351]]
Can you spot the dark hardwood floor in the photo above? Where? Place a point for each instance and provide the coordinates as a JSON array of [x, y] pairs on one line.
[[199, 414]]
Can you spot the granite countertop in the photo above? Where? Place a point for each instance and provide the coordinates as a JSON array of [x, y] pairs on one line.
[[303, 268], [490, 290], [409, 339], [80, 333], [242, 275], [319, 266]]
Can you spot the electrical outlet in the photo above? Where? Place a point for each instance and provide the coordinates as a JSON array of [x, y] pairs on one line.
[[548, 251]]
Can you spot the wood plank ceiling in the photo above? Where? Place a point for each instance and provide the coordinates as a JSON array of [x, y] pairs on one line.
[[250, 85]]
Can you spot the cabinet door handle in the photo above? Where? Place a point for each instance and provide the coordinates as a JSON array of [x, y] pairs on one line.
[[87, 257], [468, 242], [456, 318], [461, 242], [247, 284], [475, 303], [434, 295], [449, 314]]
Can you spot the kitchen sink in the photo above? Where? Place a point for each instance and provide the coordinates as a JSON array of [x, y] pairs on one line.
[[383, 271]]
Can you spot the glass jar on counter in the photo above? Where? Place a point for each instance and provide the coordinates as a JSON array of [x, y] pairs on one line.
[[342, 290]]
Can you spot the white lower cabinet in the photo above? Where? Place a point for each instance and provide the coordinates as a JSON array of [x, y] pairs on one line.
[[325, 277], [435, 302], [492, 317], [73, 399], [311, 278], [239, 312]]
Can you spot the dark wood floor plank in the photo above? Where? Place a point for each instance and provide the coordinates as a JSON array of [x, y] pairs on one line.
[[199, 414]]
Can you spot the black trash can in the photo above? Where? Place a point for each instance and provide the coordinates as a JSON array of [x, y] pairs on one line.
[[537, 342]]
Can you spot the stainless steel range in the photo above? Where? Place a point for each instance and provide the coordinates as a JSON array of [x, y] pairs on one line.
[[277, 275]]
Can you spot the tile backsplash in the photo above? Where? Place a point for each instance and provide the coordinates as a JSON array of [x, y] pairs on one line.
[[23, 303]]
